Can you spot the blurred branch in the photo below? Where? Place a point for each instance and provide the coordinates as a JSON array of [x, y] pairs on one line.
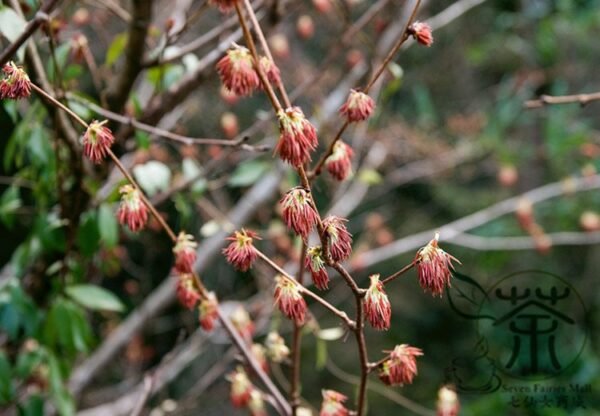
[[40, 17], [455, 228], [476, 242], [581, 99]]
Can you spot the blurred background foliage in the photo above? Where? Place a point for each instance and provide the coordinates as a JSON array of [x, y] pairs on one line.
[[71, 274]]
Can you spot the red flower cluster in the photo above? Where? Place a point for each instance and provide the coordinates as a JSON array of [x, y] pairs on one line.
[[333, 404], [340, 240], [271, 71], [297, 138], [434, 267], [315, 262], [186, 290], [401, 366], [224, 5], [241, 387], [447, 403], [289, 300], [339, 163], [240, 252], [237, 72], [298, 212], [243, 323], [377, 305], [185, 253], [421, 32], [207, 312], [15, 84], [132, 210], [97, 141], [358, 107]]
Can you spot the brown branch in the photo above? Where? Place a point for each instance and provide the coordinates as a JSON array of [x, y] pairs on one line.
[[40, 17], [581, 99]]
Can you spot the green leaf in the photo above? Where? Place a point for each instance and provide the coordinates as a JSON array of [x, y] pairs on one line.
[[34, 406], [6, 387], [88, 236], [321, 354], [95, 297], [249, 172], [9, 203], [11, 26], [369, 177], [115, 49], [108, 226]]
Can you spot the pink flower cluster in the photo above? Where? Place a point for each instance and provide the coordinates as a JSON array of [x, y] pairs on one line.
[[15, 84], [401, 366]]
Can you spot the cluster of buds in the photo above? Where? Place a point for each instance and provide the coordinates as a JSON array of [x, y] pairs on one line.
[[289, 300], [401, 366], [297, 137], [185, 253], [378, 309], [15, 84], [243, 323], [260, 355], [340, 240], [270, 70], [421, 32], [97, 141], [447, 403], [276, 348], [256, 404], [208, 312], [132, 210], [434, 267], [224, 6], [339, 163], [315, 262], [240, 252], [237, 72], [298, 211], [358, 107], [241, 387], [186, 290], [333, 404]]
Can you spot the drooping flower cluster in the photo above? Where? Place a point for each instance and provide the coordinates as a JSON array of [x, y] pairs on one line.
[[243, 323], [298, 211], [15, 84], [289, 300], [401, 366], [237, 72], [240, 252], [276, 348], [186, 290], [434, 267], [270, 69], [447, 403], [97, 141], [358, 107], [207, 312], [185, 253], [132, 210], [421, 32], [378, 309], [339, 163], [340, 240], [315, 262], [333, 404], [241, 387], [224, 6], [297, 137]]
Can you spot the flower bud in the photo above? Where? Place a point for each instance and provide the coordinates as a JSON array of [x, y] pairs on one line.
[[447, 403], [289, 300], [339, 163], [237, 73], [243, 323], [132, 210], [241, 387], [224, 6], [589, 221], [378, 309], [207, 312], [271, 70], [358, 107], [240, 252], [315, 262], [333, 404], [229, 125], [256, 405], [297, 137], [434, 267], [340, 240], [185, 253], [421, 32], [305, 27], [260, 354], [298, 212], [186, 290], [97, 141], [401, 366], [15, 84], [276, 348]]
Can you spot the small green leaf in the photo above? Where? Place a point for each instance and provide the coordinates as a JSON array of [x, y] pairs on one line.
[[369, 177], [88, 235], [321, 354], [330, 334], [6, 387], [9, 203], [95, 297], [249, 172], [108, 226], [115, 49]]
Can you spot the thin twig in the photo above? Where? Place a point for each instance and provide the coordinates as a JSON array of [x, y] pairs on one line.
[[581, 99]]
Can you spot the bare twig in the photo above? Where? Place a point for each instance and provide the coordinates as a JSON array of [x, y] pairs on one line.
[[581, 99]]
